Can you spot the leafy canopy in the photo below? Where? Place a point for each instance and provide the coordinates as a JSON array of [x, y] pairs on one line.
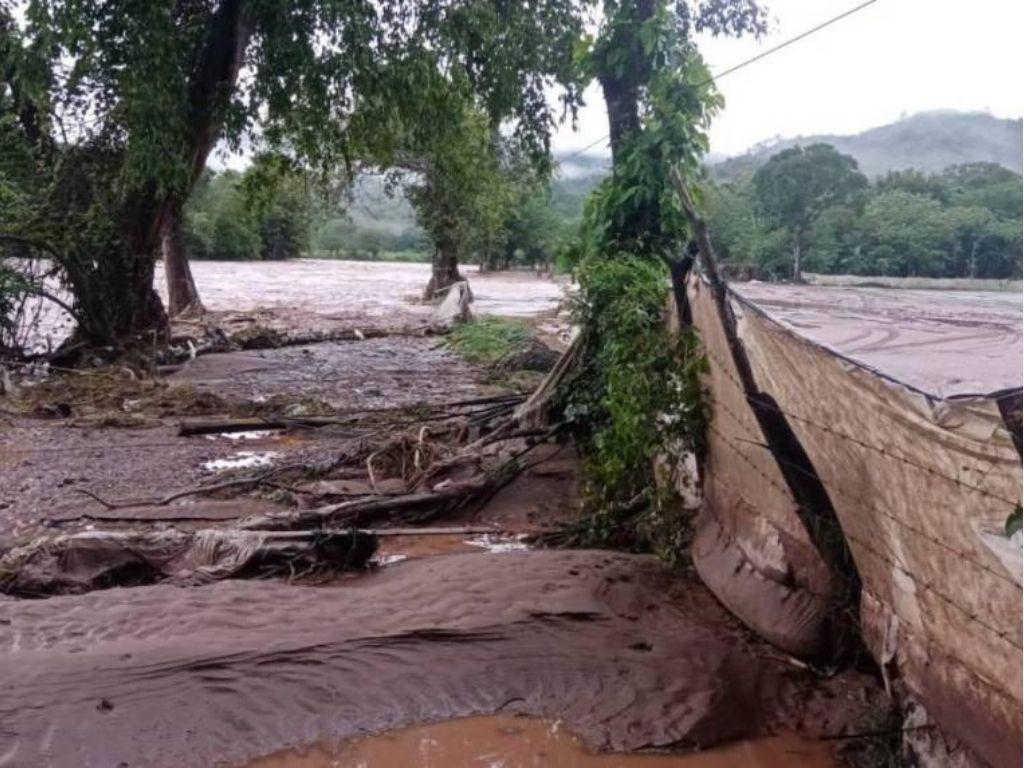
[[796, 185]]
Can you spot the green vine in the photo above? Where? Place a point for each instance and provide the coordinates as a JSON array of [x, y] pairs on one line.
[[636, 395]]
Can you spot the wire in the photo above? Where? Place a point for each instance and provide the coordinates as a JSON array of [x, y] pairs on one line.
[[790, 41], [748, 62]]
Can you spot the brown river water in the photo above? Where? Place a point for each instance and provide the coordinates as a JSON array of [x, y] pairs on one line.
[[507, 741], [945, 342]]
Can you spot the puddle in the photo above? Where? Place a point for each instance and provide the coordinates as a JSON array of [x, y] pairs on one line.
[[494, 542], [241, 460], [395, 549], [382, 559], [255, 434], [507, 741]]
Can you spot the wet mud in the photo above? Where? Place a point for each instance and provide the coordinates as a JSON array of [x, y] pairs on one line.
[[628, 655], [49, 467], [394, 371], [47, 470], [461, 626]]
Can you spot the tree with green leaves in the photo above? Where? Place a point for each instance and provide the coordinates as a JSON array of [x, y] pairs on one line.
[[264, 213], [120, 103], [459, 193], [635, 391], [796, 185], [905, 234], [279, 196], [531, 232]]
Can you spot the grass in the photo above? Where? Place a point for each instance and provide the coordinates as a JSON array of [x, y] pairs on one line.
[[487, 340]]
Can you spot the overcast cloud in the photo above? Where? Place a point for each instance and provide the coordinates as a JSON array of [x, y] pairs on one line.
[[892, 58]]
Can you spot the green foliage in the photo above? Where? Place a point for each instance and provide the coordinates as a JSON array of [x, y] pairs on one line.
[[1014, 522], [797, 185], [907, 231], [14, 289], [265, 213], [488, 340], [963, 222], [121, 102], [218, 223], [461, 197], [278, 194], [637, 396]]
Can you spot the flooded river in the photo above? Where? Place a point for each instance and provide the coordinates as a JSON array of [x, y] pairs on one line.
[[943, 342], [369, 289]]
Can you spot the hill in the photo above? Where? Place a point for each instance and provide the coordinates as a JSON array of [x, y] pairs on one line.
[[928, 141]]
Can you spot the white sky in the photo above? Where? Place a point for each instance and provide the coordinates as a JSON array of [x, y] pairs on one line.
[[892, 58]]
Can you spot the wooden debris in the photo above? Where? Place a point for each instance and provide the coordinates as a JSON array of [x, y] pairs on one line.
[[81, 562]]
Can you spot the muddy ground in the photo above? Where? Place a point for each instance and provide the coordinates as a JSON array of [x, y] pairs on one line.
[[455, 615]]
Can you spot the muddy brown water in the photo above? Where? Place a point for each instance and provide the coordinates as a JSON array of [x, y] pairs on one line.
[[944, 342], [360, 289], [507, 741], [353, 294]]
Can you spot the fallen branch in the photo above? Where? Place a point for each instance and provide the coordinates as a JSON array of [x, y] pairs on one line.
[[365, 510], [533, 412], [225, 426], [191, 427], [420, 505], [199, 490]]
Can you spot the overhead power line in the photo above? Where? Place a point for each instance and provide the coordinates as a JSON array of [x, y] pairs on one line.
[[751, 60]]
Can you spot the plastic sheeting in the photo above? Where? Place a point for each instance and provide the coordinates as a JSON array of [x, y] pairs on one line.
[[921, 486]]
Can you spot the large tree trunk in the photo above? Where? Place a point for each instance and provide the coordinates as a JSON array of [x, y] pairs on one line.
[[149, 214], [797, 267], [444, 267], [622, 100], [210, 87], [621, 85], [182, 296]]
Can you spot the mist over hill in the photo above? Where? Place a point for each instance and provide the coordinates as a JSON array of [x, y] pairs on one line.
[[928, 141]]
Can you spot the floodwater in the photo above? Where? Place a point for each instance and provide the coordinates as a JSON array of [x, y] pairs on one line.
[[942, 342], [508, 741], [354, 294], [366, 289]]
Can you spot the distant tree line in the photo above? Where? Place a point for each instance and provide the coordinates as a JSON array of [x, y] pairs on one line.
[[505, 219], [810, 208]]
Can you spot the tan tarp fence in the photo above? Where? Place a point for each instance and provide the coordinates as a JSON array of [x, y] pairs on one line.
[[922, 488]]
